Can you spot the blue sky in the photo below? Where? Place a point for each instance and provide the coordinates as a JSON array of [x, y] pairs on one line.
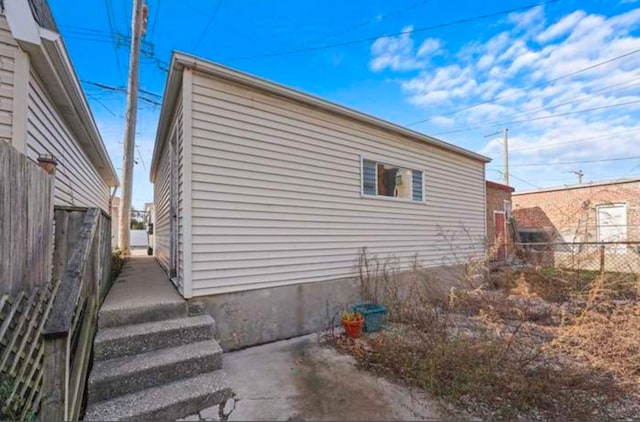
[[448, 76]]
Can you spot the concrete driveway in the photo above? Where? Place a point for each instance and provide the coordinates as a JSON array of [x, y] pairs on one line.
[[300, 379]]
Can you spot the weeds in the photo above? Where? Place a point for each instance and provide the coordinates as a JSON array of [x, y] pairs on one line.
[[118, 259], [536, 343]]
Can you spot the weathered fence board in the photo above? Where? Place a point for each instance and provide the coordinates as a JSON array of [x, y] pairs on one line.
[[21, 360], [82, 261], [26, 223]]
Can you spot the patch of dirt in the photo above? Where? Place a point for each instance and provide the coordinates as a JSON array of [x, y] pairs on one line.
[[331, 388]]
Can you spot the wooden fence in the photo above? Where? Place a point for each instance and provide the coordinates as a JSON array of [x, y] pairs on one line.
[[23, 317], [46, 332], [82, 262], [26, 245], [26, 222]]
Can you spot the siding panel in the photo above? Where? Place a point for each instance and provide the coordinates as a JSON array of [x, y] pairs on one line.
[[77, 182], [162, 200], [276, 194], [162, 227], [8, 48]]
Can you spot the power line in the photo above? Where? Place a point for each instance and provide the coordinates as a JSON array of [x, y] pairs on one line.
[[373, 38], [115, 46], [500, 97], [141, 159], [206, 28], [534, 119], [123, 90], [155, 19], [575, 162], [94, 98], [365, 22], [517, 178], [604, 135], [606, 89]]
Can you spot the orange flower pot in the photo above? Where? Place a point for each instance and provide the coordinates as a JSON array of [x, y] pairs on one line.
[[353, 328]]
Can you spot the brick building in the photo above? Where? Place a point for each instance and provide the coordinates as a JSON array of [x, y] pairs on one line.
[[499, 227], [593, 212]]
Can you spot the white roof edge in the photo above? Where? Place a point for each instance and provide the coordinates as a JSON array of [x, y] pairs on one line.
[[49, 46], [87, 118], [181, 60], [171, 88], [578, 186]]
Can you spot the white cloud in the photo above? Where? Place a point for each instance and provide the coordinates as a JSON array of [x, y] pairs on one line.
[[504, 80], [562, 27], [529, 21], [398, 53], [430, 46]]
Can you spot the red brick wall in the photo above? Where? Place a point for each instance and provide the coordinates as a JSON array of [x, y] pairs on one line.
[[570, 214]]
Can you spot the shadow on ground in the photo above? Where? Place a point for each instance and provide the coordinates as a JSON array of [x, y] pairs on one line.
[[300, 379]]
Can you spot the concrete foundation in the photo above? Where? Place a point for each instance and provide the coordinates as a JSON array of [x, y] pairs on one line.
[[261, 316], [265, 315]]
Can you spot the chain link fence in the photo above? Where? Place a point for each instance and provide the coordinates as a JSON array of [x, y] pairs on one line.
[[622, 257]]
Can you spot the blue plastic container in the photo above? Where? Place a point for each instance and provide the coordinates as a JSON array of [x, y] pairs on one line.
[[374, 316]]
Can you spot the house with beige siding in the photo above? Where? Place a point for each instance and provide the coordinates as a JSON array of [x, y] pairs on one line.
[[43, 110], [264, 197]]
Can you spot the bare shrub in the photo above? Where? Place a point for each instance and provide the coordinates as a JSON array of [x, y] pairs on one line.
[[605, 332], [493, 351]]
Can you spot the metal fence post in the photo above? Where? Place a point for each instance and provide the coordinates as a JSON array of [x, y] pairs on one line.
[[602, 259]]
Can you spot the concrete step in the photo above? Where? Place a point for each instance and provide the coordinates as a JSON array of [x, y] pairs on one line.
[[168, 402], [117, 377], [111, 343], [128, 314]]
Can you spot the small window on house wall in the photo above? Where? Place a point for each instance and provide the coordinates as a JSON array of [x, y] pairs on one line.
[[391, 181]]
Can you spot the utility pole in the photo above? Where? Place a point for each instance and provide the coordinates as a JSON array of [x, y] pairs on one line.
[[124, 219], [505, 152], [580, 175]]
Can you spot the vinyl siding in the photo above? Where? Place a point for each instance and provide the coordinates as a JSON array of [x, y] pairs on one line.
[[77, 182], [179, 131], [8, 48], [276, 194], [162, 201]]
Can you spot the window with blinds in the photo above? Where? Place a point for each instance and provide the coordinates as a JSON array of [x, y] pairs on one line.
[[386, 180]]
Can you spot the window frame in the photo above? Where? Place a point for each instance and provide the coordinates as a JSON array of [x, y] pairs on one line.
[[622, 205], [400, 164]]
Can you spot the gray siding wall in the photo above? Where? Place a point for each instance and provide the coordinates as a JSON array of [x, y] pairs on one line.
[[179, 132], [8, 47], [162, 200], [162, 228], [276, 194], [77, 182]]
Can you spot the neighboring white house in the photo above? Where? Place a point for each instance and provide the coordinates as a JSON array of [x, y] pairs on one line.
[[258, 186], [43, 109]]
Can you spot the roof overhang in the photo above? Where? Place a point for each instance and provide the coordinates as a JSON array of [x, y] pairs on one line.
[[500, 186], [169, 99], [180, 61], [49, 57]]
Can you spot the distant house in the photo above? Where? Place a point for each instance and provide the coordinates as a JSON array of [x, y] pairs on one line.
[[499, 227], [591, 212], [44, 113], [264, 196]]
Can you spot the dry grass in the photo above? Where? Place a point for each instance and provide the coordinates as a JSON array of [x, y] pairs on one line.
[[537, 344], [118, 259]]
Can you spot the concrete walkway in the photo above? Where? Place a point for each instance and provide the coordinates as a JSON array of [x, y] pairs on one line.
[[300, 379], [142, 284]]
